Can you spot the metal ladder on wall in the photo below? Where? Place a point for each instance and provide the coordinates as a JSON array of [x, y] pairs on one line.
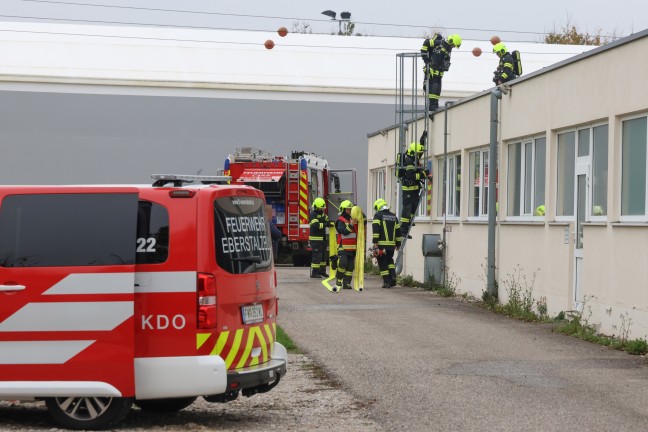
[[292, 210], [410, 76]]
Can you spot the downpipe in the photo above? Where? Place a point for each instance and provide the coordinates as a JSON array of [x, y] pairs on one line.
[[496, 94]]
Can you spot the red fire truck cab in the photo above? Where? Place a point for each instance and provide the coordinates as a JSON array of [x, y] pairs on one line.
[[153, 295], [290, 185]]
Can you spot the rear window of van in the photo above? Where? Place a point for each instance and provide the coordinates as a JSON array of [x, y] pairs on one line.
[[55, 230], [152, 243], [242, 240]]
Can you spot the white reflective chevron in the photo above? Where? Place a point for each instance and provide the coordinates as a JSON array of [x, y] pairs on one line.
[[68, 316], [122, 283], [94, 283], [41, 352], [169, 282]]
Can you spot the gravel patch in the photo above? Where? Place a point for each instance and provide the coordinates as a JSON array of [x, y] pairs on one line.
[[306, 399]]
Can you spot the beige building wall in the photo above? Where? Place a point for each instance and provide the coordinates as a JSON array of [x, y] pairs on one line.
[[606, 86]]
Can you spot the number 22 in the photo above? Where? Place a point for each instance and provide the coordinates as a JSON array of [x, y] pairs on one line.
[[145, 244]]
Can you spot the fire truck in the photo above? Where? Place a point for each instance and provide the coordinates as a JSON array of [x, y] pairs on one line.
[[290, 185]]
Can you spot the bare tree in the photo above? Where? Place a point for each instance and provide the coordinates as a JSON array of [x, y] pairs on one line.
[[570, 35], [302, 27]]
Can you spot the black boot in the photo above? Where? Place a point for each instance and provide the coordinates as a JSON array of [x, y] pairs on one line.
[[315, 274], [386, 283]]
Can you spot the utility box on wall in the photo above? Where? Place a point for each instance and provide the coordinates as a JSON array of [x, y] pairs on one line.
[[433, 258]]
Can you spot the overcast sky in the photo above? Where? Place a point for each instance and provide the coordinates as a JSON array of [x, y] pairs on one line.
[[472, 19]]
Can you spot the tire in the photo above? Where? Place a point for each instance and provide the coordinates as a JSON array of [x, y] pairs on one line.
[[90, 413], [161, 406]]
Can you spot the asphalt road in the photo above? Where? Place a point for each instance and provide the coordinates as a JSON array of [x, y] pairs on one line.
[[425, 363]]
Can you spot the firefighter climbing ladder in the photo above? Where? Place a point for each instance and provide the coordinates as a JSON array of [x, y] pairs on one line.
[[411, 105]]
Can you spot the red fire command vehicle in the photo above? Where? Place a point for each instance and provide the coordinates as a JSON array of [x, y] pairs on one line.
[[290, 185], [153, 295]]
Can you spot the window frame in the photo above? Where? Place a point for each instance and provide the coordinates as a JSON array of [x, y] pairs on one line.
[[422, 215], [522, 216], [590, 192], [632, 218], [572, 217], [378, 186], [484, 153], [452, 165]]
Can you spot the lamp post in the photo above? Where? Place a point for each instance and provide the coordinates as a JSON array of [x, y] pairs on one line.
[[344, 16]]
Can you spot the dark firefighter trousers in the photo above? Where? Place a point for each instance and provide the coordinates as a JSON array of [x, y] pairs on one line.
[[410, 204], [318, 260], [345, 266], [386, 264], [434, 89]]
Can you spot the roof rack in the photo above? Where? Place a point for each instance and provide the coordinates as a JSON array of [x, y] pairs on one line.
[[252, 154], [181, 179]]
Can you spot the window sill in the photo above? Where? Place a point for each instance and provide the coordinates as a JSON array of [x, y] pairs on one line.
[[476, 222], [448, 221], [630, 224], [597, 224], [559, 223], [525, 222]]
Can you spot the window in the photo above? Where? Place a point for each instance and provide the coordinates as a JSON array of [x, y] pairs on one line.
[[378, 186], [526, 177], [599, 170], [57, 230], [633, 169], [241, 238], [425, 205], [452, 187], [152, 233], [566, 173], [478, 185]]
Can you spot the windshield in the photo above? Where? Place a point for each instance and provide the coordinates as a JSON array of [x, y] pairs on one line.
[[242, 240]]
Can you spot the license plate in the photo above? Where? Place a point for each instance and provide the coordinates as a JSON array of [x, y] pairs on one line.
[[252, 314]]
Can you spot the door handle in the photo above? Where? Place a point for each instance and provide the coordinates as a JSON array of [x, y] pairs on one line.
[[12, 287]]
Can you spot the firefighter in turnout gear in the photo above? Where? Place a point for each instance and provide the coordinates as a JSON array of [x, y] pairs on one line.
[[319, 221], [386, 240], [505, 71], [436, 56], [347, 235], [412, 177]]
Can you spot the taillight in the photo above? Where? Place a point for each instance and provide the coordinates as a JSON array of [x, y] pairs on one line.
[[206, 301]]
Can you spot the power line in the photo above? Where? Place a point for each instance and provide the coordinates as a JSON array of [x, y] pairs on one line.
[[216, 41], [278, 17], [195, 40], [180, 26]]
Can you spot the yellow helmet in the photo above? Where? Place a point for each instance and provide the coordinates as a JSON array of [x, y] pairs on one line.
[[379, 204], [416, 148], [455, 40], [319, 203], [499, 48], [346, 204]]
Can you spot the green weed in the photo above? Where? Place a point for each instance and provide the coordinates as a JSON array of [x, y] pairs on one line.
[[286, 341]]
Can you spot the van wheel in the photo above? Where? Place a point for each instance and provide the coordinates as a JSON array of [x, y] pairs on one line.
[[161, 406], [88, 412]]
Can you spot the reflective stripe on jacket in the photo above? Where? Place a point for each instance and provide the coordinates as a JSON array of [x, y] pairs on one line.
[[347, 233]]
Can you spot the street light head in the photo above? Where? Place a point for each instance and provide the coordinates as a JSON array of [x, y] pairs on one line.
[[330, 13], [345, 15]]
